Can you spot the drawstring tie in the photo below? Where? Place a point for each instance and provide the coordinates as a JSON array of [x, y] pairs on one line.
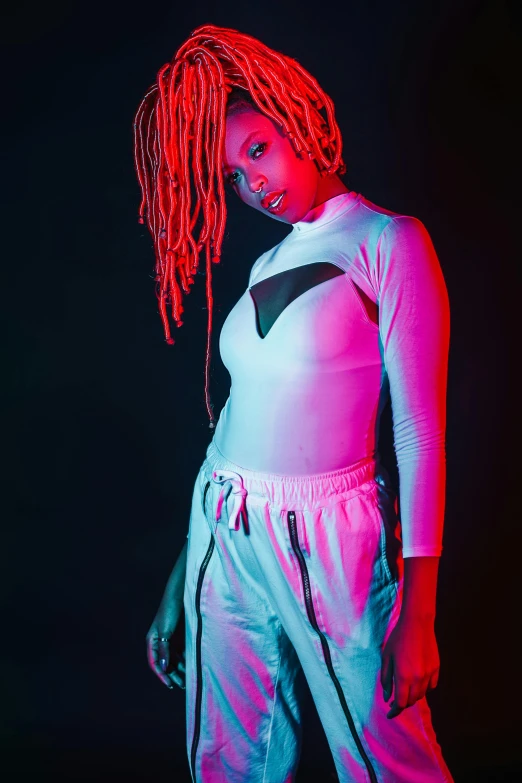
[[239, 493]]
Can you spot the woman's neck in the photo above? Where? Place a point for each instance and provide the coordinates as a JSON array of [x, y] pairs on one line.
[[328, 188]]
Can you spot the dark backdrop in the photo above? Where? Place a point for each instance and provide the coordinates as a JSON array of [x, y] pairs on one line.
[[105, 425]]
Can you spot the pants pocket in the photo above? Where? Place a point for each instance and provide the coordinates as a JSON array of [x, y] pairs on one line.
[[391, 545], [207, 506]]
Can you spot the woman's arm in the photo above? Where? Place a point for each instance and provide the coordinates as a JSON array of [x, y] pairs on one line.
[[420, 588], [414, 325], [176, 581]]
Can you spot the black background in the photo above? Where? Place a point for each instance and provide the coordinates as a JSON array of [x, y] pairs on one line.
[[105, 425]]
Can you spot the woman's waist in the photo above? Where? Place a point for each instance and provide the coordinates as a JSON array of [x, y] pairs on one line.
[[302, 450]]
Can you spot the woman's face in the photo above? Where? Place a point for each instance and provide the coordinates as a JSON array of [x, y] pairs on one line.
[[256, 155]]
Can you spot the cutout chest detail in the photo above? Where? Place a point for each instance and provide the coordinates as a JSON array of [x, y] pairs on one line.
[[273, 295]]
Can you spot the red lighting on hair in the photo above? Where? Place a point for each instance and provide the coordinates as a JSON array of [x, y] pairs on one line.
[[179, 131]]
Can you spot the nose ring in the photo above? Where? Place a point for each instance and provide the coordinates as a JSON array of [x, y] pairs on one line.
[[258, 191]]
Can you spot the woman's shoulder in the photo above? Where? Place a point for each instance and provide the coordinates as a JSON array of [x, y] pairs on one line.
[[386, 217], [382, 223]]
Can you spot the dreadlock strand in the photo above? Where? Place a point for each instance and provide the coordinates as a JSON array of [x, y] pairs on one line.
[[166, 326], [192, 137], [175, 295], [143, 133], [190, 246], [142, 118], [138, 155], [214, 168], [172, 151], [152, 144], [221, 188], [164, 193], [198, 155], [210, 307], [220, 111]]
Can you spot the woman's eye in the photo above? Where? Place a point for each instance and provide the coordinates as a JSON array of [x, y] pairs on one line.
[[257, 148]]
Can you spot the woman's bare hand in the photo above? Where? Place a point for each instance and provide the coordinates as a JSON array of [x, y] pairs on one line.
[[166, 644], [166, 636]]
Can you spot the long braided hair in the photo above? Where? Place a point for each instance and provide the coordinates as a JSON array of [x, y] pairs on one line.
[[179, 130]]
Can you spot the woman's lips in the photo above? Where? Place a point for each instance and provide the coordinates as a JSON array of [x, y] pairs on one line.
[[280, 204], [270, 197]]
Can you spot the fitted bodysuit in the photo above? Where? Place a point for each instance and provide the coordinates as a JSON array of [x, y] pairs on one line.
[[348, 310]]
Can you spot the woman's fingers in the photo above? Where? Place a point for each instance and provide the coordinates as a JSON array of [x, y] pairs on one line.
[[387, 676], [158, 657], [163, 654], [177, 674], [178, 678], [418, 691]]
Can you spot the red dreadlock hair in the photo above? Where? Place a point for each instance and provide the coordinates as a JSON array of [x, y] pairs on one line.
[[182, 117]]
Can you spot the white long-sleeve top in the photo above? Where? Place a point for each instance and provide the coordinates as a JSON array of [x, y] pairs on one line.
[[314, 354]]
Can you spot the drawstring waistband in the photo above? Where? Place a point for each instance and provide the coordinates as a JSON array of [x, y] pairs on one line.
[[304, 492], [239, 492]]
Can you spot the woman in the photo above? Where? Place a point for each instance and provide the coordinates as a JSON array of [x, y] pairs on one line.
[[313, 576]]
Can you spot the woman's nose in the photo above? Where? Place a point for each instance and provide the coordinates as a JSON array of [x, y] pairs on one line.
[[257, 186]]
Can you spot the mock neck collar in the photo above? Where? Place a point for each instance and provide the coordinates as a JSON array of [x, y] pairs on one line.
[[324, 213]]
